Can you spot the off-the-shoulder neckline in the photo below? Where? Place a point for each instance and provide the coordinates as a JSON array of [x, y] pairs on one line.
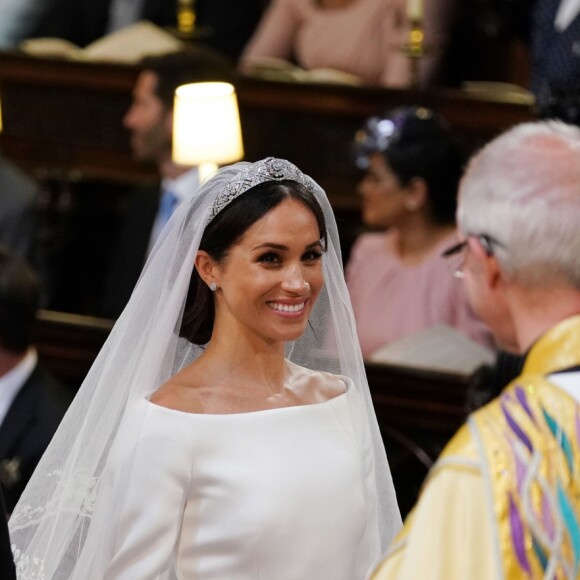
[[290, 408]]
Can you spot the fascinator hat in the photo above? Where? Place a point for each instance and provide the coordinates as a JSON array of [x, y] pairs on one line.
[[61, 519], [415, 142], [398, 129]]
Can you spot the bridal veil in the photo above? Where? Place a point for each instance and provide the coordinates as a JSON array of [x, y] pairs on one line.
[[50, 525]]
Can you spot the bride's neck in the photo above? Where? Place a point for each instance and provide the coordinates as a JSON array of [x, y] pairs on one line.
[[255, 361], [333, 3]]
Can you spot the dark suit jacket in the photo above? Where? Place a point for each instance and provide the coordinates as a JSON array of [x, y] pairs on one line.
[[26, 431], [228, 24], [7, 570], [83, 21], [17, 202], [130, 250]]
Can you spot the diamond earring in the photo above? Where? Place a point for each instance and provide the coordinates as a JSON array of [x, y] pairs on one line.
[[213, 286]]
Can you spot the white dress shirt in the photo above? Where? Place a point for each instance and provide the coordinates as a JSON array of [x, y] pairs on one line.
[[183, 187], [123, 13], [18, 18], [567, 11], [569, 382]]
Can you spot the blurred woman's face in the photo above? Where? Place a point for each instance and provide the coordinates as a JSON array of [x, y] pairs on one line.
[[383, 197]]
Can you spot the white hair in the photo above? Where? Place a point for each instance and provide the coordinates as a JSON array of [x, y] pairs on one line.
[[523, 190]]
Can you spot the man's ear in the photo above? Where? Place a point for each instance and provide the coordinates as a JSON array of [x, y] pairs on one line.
[[488, 264], [417, 194], [206, 267]]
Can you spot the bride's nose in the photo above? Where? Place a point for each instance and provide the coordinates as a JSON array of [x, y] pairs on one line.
[[294, 282]]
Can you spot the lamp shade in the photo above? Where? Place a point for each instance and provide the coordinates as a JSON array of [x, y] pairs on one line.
[[206, 124]]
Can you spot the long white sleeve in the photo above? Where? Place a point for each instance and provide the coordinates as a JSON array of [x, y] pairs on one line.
[[149, 479]]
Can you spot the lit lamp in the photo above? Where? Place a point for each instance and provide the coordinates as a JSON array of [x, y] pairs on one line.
[[206, 127]]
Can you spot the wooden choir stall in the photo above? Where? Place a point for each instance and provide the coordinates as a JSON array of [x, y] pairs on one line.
[[62, 121]]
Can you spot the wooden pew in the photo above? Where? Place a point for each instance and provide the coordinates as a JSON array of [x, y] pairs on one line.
[[63, 122], [417, 410], [65, 117], [68, 344]]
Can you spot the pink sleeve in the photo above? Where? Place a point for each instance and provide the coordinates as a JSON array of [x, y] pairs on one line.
[[357, 255], [275, 34]]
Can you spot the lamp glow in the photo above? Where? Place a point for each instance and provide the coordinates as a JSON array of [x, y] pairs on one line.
[[206, 126]]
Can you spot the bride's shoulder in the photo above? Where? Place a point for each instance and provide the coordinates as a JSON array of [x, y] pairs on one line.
[[327, 384], [177, 396], [332, 381]]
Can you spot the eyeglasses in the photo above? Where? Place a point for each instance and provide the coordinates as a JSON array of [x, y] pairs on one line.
[[455, 255]]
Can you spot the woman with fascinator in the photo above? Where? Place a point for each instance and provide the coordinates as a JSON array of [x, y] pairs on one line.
[[226, 428], [398, 282]]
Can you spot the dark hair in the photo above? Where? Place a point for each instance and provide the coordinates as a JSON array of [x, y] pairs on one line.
[[19, 300], [195, 64], [225, 230], [415, 142]]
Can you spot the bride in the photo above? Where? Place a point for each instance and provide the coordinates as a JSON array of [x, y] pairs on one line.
[[226, 428]]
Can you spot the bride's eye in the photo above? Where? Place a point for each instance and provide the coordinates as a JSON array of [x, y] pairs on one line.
[[269, 258], [312, 256]]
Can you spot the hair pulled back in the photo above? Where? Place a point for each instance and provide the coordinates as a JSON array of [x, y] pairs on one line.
[[224, 231]]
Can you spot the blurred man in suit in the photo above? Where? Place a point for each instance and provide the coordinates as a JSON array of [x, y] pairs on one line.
[[150, 122], [17, 202], [7, 569], [503, 500], [30, 403]]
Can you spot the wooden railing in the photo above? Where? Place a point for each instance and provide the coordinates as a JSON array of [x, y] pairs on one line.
[[66, 116], [63, 121], [68, 344]]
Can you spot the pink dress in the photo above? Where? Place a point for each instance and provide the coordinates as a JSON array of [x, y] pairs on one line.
[[392, 300], [363, 38]]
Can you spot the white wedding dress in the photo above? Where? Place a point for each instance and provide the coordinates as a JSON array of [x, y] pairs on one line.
[[267, 495]]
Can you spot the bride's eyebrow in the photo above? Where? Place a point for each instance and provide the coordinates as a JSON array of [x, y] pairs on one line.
[[270, 246], [282, 247]]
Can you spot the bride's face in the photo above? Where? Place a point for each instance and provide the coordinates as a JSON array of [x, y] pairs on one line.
[[271, 278]]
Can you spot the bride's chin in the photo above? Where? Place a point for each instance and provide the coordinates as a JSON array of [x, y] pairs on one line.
[[289, 335]]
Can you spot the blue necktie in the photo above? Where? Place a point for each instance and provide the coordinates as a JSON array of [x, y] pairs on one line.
[[166, 207]]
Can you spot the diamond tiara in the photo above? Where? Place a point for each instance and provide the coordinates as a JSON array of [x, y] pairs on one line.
[[269, 169]]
